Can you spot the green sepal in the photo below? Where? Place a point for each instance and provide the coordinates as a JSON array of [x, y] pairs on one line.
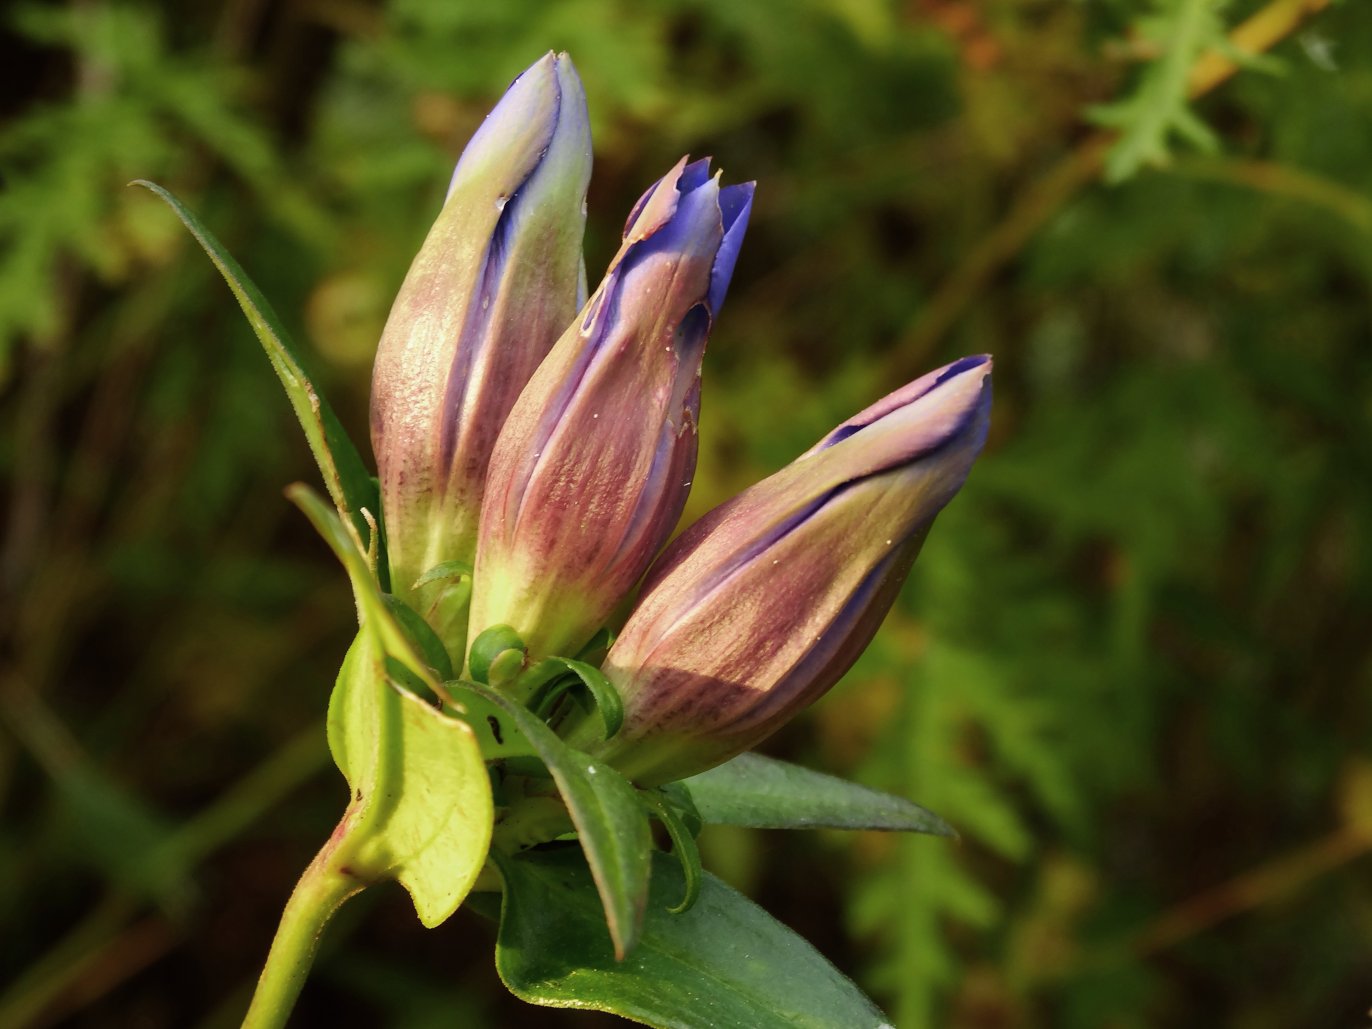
[[684, 846], [373, 610], [725, 962], [448, 571], [421, 634], [593, 653], [552, 677], [442, 596], [764, 793], [680, 798], [610, 821], [351, 486]]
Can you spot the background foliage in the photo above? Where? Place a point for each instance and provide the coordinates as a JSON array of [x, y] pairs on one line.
[[1132, 665]]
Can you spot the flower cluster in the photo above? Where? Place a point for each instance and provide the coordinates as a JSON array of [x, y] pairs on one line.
[[535, 447]]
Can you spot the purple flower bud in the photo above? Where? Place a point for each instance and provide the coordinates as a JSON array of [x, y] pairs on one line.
[[764, 603], [592, 468], [495, 283]]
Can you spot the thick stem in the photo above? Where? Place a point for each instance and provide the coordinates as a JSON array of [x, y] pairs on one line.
[[326, 884]]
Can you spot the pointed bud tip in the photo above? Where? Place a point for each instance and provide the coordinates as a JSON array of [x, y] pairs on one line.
[[956, 406], [965, 364], [544, 104]]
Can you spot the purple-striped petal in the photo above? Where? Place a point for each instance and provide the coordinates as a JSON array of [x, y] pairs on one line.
[[490, 290], [762, 605], [736, 204], [593, 466]]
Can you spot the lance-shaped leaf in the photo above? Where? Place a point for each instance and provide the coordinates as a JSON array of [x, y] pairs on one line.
[[610, 821], [764, 793], [374, 611], [723, 962], [758, 608], [421, 797], [350, 485], [593, 466]]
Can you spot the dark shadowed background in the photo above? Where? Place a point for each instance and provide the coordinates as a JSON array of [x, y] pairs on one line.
[[1132, 665]]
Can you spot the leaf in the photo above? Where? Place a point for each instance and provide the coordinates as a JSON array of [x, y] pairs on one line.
[[495, 729], [764, 793], [351, 722], [422, 809], [376, 613], [684, 846], [725, 962], [434, 828], [1158, 107], [546, 681], [350, 485], [421, 635], [609, 818]]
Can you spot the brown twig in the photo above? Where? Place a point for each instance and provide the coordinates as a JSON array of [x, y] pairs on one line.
[[1252, 889]]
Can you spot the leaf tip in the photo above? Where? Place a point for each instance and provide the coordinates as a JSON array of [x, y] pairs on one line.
[[625, 931], [942, 828]]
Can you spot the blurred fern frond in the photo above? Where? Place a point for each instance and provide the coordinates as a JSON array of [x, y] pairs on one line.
[[1178, 32]]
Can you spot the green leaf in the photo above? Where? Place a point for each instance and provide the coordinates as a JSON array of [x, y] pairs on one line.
[[350, 485], [764, 793], [725, 962], [429, 646], [421, 810], [550, 678], [433, 828], [684, 846], [1182, 30], [350, 724], [609, 818], [447, 572], [375, 612], [496, 730]]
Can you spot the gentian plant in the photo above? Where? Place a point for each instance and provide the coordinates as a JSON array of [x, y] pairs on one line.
[[503, 745]]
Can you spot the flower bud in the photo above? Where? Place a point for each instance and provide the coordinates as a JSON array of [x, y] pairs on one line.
[[592, 468], [764, 603], [495, 283]]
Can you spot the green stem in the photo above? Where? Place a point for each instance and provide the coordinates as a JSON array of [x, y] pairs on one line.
[[326, 884]]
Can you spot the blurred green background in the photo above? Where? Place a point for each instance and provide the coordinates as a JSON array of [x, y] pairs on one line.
[[1132, 666]]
